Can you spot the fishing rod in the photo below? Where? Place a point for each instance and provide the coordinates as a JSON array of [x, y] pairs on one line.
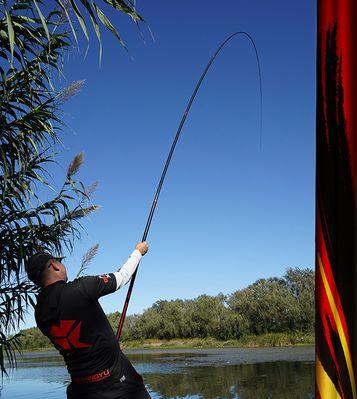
[[172, 149]]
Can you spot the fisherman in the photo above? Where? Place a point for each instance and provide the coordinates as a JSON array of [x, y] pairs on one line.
[[69, 314]]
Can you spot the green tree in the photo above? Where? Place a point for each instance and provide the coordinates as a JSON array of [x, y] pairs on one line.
[[268, 305], [32, 338], [278, 304], [205, 316], [161, 321], [34, 37], [208, 316], [301, 283]]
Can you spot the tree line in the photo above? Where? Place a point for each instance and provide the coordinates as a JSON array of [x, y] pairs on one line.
[[272, 305]]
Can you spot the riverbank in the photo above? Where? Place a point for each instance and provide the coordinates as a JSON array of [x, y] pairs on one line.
[[249, 341]]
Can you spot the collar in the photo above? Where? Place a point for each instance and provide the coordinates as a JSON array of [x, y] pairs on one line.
[[56, 283]]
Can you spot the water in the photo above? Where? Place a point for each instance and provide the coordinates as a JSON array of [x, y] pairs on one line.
[[274, 373]]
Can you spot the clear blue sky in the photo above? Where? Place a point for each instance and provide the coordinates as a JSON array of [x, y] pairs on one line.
[[229, 212]]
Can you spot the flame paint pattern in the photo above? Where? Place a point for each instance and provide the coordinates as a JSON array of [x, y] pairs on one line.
[[336, 208]]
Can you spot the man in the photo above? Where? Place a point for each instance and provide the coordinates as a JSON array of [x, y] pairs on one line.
[[70, 315]]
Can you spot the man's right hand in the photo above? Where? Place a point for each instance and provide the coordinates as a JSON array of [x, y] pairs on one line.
[[142, 247]]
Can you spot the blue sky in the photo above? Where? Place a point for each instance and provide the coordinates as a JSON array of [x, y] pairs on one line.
[[230, 212]]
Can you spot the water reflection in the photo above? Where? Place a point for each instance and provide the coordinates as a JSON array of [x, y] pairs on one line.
[[277, 380], [177, 376]]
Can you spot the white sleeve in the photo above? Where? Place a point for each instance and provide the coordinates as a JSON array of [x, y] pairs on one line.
[[123, 275]]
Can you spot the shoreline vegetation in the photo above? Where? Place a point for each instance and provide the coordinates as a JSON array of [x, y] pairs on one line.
[[273, 340], [266, 340], [271, 312]]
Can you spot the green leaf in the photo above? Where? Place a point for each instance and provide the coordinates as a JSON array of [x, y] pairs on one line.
[[10, 31], [43, 21], [120, 5], [80, 18], [95, 26], [105, 21], [68, 19]]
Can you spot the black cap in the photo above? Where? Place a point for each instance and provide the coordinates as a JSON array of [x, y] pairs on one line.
[[36, 265]]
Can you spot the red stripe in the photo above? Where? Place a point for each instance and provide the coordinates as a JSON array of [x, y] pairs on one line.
[[322, 251]]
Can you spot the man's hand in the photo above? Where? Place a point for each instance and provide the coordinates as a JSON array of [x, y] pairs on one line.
[[142, 247]]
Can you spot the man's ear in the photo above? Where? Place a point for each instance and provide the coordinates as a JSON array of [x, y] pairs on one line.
[[54, 264]]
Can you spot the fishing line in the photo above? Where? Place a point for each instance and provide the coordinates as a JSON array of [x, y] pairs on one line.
[[172, 149]]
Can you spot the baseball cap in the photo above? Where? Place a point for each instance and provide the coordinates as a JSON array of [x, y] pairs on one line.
[[37, 264]]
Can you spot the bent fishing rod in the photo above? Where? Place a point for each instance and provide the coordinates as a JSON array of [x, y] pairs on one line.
[[172, 149]]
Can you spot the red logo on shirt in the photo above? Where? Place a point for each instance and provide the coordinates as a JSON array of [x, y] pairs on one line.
[[67, 336], [105, 278], [92, 378]]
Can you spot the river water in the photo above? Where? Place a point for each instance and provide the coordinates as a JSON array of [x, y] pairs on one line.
[[259, 373]]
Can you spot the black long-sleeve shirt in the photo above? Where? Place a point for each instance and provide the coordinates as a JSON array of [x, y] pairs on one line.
[[71, 316]]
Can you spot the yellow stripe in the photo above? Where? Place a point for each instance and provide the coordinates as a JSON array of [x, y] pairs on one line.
[[325, 386], [340, 329]]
